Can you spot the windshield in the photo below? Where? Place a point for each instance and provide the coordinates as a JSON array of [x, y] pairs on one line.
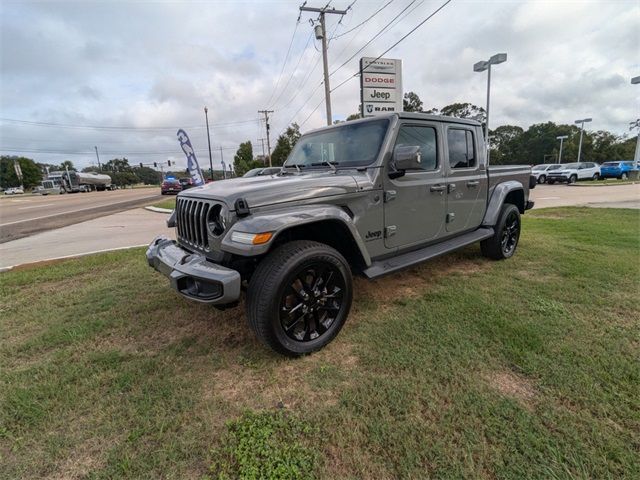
[[611, 164], [353, 145]]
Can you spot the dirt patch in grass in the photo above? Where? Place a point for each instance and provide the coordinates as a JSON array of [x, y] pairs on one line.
[[412, 283], [514, 386]]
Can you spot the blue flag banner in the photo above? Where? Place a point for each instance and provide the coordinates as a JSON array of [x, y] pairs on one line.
[[192, 161]]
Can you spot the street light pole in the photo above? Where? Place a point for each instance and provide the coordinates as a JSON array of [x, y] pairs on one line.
[[636, 157], [561, 138], [481, 67], [206, 116], [581, 122]]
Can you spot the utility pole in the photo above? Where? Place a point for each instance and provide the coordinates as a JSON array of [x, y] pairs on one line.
[[98, 157], [321, 33], [206, 116], [262, 142], [266, 119], [224, 170]]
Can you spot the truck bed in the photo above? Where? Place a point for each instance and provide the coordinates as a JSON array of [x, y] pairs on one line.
[[502, 173]]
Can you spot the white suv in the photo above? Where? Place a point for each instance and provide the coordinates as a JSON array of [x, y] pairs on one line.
[[542, 171], [572, 172]]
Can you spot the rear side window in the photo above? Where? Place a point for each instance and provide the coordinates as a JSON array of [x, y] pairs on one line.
[[423, 137], [461, 148]]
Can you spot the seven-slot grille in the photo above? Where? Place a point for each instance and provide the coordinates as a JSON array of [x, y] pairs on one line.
[[191, 222]]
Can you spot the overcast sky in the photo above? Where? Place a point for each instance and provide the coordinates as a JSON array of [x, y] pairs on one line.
[[149, 67]]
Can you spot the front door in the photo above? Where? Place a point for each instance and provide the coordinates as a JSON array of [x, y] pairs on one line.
[[414, 208], [467, 180]]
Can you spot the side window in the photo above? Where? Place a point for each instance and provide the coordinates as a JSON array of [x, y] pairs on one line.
[[423, 137], [461, 148]]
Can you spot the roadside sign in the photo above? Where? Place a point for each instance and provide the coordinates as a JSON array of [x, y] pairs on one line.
[[380, 86]]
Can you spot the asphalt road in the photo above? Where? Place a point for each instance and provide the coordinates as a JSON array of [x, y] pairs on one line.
[[23, 215], [596, 195]]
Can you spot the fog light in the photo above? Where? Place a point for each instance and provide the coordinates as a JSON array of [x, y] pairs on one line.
[[251, 238]]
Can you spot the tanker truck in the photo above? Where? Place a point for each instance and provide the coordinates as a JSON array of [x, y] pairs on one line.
[[73, 182]]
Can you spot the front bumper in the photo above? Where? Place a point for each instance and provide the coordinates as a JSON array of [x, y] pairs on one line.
[[192, 275], [558, 178]]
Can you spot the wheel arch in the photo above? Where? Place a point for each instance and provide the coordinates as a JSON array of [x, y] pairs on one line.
[[507, 192], [328, 224]]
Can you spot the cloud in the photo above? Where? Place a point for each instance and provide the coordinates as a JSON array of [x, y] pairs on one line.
[[157, 64]]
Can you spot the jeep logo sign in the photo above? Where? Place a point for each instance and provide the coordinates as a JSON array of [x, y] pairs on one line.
[[380, 86]]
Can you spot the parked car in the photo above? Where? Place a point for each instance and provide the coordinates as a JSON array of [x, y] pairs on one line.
[[618, 170], [14, 191], [572, 172], [371, 196], [259, 172], [186, 182], [170, 185], [541, 171]]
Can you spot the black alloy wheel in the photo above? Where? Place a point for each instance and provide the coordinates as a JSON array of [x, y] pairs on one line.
[[311, 301], [510, 233]]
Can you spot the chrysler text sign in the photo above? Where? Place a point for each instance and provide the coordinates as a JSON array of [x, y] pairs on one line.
[[380, 86]]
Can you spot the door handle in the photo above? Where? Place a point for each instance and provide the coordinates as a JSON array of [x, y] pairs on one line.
[[473, 183], [437, 188]]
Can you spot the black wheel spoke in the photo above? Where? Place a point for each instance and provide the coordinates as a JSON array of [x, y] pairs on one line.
[[312, 301]]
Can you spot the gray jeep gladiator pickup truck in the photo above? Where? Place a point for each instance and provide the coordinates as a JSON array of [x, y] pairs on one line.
[[368, 197]]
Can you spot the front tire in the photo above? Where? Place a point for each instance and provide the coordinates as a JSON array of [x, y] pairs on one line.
[[624, 176], [542, 179], [299, 297], [596, 176], [504, 241], [572, 179]]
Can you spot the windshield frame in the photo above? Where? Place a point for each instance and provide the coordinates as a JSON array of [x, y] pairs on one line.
[[339, 165]]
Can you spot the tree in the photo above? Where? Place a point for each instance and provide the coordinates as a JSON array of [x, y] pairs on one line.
[[31, 173], [285, 144], [147, 175], [504, 143], [117, 165], [465, 110], [67, 164], [243, 159], [354, 116], [411, 102]]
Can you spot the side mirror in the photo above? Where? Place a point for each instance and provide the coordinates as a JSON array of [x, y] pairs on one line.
[[406, 158]]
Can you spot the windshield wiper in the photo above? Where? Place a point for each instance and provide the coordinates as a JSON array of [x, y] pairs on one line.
[[296, 165], [325, 162]]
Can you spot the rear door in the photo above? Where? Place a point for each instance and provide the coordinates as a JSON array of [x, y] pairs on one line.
[[467, 181], [414, 207]]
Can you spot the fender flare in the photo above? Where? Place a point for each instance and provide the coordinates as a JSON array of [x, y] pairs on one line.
[[278, 221], [496, 201]]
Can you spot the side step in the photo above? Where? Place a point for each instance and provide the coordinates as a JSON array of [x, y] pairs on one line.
[[393, 264]]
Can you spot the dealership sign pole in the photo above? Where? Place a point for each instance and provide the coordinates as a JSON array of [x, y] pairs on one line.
[[380, 86]]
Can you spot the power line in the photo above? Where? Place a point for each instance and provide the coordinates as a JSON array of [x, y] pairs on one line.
[[113, 127], [104, 152], [284, 64], [373, 38], [365, 21], [294, 71], [396, 44]]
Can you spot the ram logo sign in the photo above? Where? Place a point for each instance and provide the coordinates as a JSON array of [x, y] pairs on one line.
[[380, 86]]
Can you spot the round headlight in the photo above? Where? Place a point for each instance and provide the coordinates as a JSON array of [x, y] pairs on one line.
[[216, 220]]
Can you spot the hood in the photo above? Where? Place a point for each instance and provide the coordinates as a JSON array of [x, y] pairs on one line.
[[271, 189]]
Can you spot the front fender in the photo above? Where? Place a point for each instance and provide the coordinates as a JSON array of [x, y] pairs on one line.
[[280, 220], [496, 201]]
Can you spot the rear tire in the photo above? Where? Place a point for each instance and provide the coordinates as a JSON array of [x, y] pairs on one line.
[[299, 297], [624, 176], [596, 176], [572, 179], [542, 179], [504, 241]]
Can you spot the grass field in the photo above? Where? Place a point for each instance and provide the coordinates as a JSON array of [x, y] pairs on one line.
[[461, 368], [170, 203]]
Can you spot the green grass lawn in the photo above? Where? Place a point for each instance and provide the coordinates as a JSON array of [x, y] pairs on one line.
[[169, 203], [461, 368]]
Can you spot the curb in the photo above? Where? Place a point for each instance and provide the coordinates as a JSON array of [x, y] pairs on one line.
[[73, 255], [158, 209]]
